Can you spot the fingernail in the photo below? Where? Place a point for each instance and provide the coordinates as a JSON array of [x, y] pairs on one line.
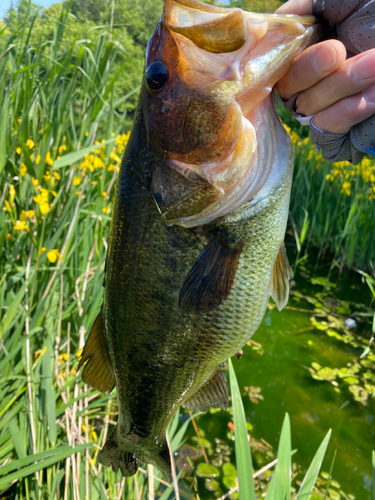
[[325, 58], [364, 68], [369, 94]]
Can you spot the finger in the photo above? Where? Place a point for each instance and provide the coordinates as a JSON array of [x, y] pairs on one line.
[[298, 7], [312, 66], [355, 75], [344, 114]]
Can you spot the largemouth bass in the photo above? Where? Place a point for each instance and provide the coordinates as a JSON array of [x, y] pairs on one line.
[[196, 241]]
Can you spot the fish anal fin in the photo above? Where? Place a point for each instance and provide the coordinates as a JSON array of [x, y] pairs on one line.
[[211, 278], [213, 394], [98, 371], [281, 275]]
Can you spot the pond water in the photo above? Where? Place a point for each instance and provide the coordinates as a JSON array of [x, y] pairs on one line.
[[290, 348]]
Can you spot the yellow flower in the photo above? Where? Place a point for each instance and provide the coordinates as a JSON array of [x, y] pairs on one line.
[[104, 193], [18, 150], [94, 183], [114, 157], [62, 148], [86, 134], [76, 181], [19, 120], [57, 176], [37, 160], [26, 214], [49, 160], [44, 208], [114, 168], [8, 236], [47, 176], [34, 182], [53, 255], [21, 226], [42, 200], [42, 250], [105, 210], [54, 193], [345, 188], [12, 193], [30, 143], [7, 206], [23, 170]]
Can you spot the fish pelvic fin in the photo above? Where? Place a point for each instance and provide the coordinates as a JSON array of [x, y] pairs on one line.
[[98, 371], [211, 278], [280, 279], [213, 394], [121, 456]]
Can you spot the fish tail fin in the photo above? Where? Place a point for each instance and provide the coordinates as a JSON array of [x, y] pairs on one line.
[[112, 455], [127, 461]]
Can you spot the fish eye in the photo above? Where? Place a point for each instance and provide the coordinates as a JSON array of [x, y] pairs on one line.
[[156, 76]]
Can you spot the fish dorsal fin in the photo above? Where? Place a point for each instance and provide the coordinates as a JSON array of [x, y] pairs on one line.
[[98, 371], [213, 394], [281, 275], [211, 278]]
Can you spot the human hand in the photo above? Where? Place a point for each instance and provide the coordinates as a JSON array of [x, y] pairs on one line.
[[340, 92]]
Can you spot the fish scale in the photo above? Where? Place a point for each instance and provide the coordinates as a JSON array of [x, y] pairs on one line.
[[196, 241]]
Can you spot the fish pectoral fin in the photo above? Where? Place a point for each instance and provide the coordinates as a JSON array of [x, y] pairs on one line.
[[98, 371], [213, 394], [211, 278], [281, 275]]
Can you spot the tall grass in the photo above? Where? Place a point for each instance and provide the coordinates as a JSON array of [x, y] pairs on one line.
[[332, 205]]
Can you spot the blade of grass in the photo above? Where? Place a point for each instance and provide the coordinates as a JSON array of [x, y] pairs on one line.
[[243, 453], [330, 475], [284, 464], [309, 480]]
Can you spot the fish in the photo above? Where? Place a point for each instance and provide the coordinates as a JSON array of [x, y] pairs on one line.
[[196, 245]]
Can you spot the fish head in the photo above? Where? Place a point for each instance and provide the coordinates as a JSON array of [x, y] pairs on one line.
[[207, 99]]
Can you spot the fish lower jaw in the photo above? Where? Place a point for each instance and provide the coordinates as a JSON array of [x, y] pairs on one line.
[[241, 176]]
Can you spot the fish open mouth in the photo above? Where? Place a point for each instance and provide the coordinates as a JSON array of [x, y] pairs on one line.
[[234, 58]]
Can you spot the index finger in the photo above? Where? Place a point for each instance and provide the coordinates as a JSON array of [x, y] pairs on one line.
[[312, 66]]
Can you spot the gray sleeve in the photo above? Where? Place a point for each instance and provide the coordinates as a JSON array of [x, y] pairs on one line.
[[354, 23]]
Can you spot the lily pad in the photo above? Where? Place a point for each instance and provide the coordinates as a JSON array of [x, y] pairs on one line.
[[351, 380], [207, 470], [229, 470]]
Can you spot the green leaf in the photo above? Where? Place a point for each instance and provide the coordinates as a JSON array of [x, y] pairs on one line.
[[313, 471], [284, 463], [43, 460], [207, 470], [3, 131], [373, 473], [330, 475], [271, 490], [76, 156], [243, 453]]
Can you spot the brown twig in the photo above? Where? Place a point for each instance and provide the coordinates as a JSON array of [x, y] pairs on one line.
[[198, 436], [173, 466]]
